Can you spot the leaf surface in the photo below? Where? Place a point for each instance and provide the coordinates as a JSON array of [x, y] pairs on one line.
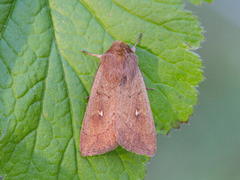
[[45, 79]]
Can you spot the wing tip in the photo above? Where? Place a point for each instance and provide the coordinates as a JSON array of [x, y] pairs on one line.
[[97, 150], [148, 150]]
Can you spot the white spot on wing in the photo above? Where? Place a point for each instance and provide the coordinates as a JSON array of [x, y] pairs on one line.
[[101, 113], [136, 113]]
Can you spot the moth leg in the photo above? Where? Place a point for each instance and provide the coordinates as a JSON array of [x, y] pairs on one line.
[[149, 88], [96, 55], [134, 47]]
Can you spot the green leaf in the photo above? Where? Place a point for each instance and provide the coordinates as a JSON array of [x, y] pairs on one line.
[[45, 79], [198, 2]]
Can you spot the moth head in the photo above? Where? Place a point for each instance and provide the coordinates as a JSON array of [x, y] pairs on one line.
[[120, 48]]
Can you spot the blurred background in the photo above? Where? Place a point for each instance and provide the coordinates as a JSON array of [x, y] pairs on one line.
[[209, 147]]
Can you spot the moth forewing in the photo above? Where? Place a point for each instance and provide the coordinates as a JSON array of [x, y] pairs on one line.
[[97, 134], [134, 126]]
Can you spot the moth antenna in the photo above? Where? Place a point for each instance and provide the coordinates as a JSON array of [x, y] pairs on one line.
[[134, 47], [150, 88], [96, 55]]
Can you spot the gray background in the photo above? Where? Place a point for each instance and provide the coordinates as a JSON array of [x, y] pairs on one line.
[[209, 147]]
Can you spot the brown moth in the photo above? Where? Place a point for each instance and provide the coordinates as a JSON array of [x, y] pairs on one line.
[[118, 111]]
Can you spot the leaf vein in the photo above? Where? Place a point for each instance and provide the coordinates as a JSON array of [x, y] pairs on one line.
[[71, 113]]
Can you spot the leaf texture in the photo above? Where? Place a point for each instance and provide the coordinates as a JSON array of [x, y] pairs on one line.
[[45, 79]]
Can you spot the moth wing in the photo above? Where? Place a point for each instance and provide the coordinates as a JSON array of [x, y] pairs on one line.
[[134, 125], [97, 134]]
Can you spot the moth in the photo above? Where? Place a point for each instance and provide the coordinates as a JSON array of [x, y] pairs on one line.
[[118, 111]]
